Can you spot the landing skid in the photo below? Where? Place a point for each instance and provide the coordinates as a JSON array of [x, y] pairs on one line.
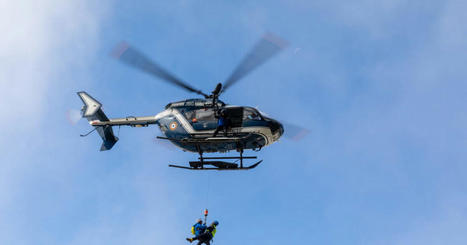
[[219, 165], [214, 165]]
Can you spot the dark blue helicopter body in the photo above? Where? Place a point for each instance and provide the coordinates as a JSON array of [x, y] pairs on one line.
[[190, 125]]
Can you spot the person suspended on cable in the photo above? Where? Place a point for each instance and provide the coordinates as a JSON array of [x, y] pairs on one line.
[[207, 236], [198, 228], [222, 122]]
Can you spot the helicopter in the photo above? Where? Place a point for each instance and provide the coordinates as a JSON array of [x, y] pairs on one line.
[[191, 124]]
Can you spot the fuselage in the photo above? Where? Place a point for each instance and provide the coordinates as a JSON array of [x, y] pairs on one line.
[[196, 118]]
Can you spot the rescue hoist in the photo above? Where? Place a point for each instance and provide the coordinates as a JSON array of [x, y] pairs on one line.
[[205, 215]]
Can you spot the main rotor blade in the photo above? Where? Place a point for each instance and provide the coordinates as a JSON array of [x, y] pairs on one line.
[[136, 59], [294, 132], [265, 48]]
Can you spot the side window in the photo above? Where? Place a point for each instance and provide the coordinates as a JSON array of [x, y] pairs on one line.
[[189, 115], [205, 115], [199, 115]]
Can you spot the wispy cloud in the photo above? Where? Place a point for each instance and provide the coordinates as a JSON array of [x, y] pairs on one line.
[[42, 42]]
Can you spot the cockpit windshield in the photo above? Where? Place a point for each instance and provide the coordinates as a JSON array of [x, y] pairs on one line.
[[251, 114]]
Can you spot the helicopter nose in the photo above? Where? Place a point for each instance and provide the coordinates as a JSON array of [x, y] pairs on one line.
[[281, 129], [276, 128]]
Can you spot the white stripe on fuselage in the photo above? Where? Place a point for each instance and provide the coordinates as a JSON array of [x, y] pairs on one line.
[[163, 114], [186, 125]]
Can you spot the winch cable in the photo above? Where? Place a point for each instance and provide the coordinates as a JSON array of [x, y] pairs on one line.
[[205, 212], [207, 189]]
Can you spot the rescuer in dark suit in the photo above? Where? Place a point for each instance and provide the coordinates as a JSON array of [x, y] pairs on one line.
[[222, 123], [207, 236]]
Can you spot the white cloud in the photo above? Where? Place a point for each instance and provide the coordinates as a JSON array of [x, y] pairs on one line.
[[37, 33], [35, 36]]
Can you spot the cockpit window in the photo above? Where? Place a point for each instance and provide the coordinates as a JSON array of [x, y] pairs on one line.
[[251, 114]]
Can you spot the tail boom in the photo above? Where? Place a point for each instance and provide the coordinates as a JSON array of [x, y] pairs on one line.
[[127, 121], [92, 111]]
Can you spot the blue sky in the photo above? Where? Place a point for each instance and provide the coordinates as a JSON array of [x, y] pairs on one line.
[[381, 85]]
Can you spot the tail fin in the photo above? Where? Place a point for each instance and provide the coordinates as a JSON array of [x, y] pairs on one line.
[[92, 111]]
